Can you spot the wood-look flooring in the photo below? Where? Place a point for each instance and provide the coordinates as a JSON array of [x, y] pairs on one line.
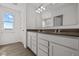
[[14, 49]]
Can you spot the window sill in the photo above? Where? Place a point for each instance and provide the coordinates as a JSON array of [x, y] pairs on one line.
[[8, 29]]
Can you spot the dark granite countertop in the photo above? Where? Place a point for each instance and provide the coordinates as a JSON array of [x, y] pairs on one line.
[[65, 32]]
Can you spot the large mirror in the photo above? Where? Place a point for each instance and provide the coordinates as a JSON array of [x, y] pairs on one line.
[[59, 14]]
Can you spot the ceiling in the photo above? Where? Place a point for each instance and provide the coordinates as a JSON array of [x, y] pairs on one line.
[[37, 5]]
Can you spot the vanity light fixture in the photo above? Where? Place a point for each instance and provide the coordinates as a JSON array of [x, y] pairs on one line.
[[40, 9]]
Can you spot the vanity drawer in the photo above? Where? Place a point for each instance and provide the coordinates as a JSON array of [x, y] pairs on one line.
[[43, 42], [43, 47], [44, 36], [42, 53], [66, 41], [33, 34]]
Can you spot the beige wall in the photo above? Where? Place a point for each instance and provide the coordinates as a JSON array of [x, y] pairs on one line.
[[33, 18]]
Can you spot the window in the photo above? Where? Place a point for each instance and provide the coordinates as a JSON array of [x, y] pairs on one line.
[[8, 21]]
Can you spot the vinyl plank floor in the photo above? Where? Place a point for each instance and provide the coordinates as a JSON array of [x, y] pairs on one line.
[[14, 49]]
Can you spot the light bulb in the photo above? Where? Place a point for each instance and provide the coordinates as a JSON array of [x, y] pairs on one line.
[[42, 8], [39, 9]]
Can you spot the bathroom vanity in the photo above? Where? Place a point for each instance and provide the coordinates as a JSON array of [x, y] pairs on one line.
[[50, 43]]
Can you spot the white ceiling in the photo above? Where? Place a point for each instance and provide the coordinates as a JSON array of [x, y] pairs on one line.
[[20, 6]]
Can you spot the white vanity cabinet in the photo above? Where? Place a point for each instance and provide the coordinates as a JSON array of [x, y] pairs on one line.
[[32, 41], [57, 45], [53, 45]]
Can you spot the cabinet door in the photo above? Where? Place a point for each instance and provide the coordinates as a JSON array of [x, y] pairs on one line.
[[57, 50], [32, 41], [29, 40], [34, 44]]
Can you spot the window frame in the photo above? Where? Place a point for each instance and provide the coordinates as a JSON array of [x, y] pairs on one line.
[[8, 21]]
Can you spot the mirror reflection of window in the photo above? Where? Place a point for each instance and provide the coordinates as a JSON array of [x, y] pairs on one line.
[[58, 20], [8, 21]]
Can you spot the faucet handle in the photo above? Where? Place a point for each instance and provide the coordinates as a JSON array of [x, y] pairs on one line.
[[59, 30], [55, 31]]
